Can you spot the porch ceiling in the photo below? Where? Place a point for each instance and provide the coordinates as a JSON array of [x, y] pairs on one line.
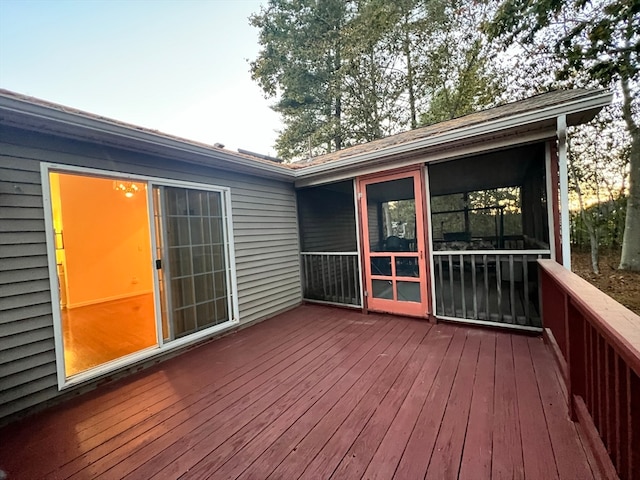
[[506, 168], [319, 392]]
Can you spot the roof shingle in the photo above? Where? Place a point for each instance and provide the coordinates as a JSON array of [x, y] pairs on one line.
[[509, 109]]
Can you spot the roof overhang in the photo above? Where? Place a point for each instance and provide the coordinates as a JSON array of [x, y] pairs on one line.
[[520, 129], [33, 116], [517, 129]]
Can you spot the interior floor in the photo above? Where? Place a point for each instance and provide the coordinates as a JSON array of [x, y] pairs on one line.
[[96, 334]]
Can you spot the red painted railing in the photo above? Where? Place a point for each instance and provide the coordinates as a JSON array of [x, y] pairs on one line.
[[596, 343]]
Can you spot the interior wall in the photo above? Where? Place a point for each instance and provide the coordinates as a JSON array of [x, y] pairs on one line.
[[106, 240]]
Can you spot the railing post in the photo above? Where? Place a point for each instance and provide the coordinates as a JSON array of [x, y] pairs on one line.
[[576, 359], [598, 351], [328, 278], [554, 311]]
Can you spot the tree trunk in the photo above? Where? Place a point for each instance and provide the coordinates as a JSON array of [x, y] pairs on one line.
[[595, 252], [630, 259], [588, 223], [407, 53], [338, 100]]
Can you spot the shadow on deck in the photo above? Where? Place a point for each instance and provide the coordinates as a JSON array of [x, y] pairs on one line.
[[319, 392]]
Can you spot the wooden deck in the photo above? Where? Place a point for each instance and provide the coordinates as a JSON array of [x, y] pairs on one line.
[[318, 392]]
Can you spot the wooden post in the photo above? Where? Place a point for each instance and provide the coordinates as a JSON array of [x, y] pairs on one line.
[[576, 360], [565, 235], [554, 203]]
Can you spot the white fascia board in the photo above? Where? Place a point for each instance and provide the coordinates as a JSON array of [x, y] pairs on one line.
[[433, 155], [545, 114], [77, 123], [31, 114]]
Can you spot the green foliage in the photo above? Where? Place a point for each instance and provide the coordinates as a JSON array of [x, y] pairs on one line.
[[403, 212], [600, 38], [484, 210], [462, 74], [596, 42], [607, 218], [300, 64], [348, 72]]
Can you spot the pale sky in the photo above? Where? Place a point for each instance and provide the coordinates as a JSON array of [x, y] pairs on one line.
[[176, 66]]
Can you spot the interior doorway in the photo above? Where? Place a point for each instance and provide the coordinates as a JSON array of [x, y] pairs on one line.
[[394, 243], [104, 265]]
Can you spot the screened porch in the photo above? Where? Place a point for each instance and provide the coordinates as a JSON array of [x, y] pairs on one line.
[[489, 226], [329, 244]]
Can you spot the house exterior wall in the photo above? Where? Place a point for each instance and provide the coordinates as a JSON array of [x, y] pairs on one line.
[[265, 239], [327, 218]]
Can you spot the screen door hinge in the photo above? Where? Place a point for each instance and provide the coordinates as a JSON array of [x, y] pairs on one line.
[[359, 195], [366, 294], [158, 264]]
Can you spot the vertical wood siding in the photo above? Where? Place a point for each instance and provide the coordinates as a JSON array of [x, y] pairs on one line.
[[265, 236]]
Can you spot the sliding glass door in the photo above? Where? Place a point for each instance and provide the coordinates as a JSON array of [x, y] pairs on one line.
[[141, 265], [192, 259], [103, 258]]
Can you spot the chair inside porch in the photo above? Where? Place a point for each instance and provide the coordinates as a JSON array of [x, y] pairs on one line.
[[319, 392]]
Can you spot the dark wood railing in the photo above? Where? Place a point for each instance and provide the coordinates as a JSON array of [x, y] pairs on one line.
[[596, 343], [488, 286], [331, 277]]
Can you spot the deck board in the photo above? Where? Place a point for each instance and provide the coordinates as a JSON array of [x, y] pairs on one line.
[[388, 432], [180, 450], [101, 404], [447, 451], [362, 371], [537, 453], [567, 447], [192, 406], [371, 421], [347, 418], [318, 392], [261, 431], [506, 461], [230, 383], [417, 452], [478, 445]]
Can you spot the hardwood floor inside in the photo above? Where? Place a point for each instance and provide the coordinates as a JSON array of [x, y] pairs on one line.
[[98, 333], [318, 393]]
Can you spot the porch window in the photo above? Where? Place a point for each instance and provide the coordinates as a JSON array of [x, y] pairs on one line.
[[329, 244], [489, 226]]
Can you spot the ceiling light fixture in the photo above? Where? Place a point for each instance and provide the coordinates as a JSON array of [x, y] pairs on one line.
[[128, 188]]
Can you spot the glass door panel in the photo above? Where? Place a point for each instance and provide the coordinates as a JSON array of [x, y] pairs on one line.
[[103, 254], [395, 264], [194, 272]]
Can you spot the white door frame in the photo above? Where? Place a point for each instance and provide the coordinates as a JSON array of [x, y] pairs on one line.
[[65, 382]]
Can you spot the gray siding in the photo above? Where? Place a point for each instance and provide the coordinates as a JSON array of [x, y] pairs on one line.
[[265, 238], [328, 218]]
